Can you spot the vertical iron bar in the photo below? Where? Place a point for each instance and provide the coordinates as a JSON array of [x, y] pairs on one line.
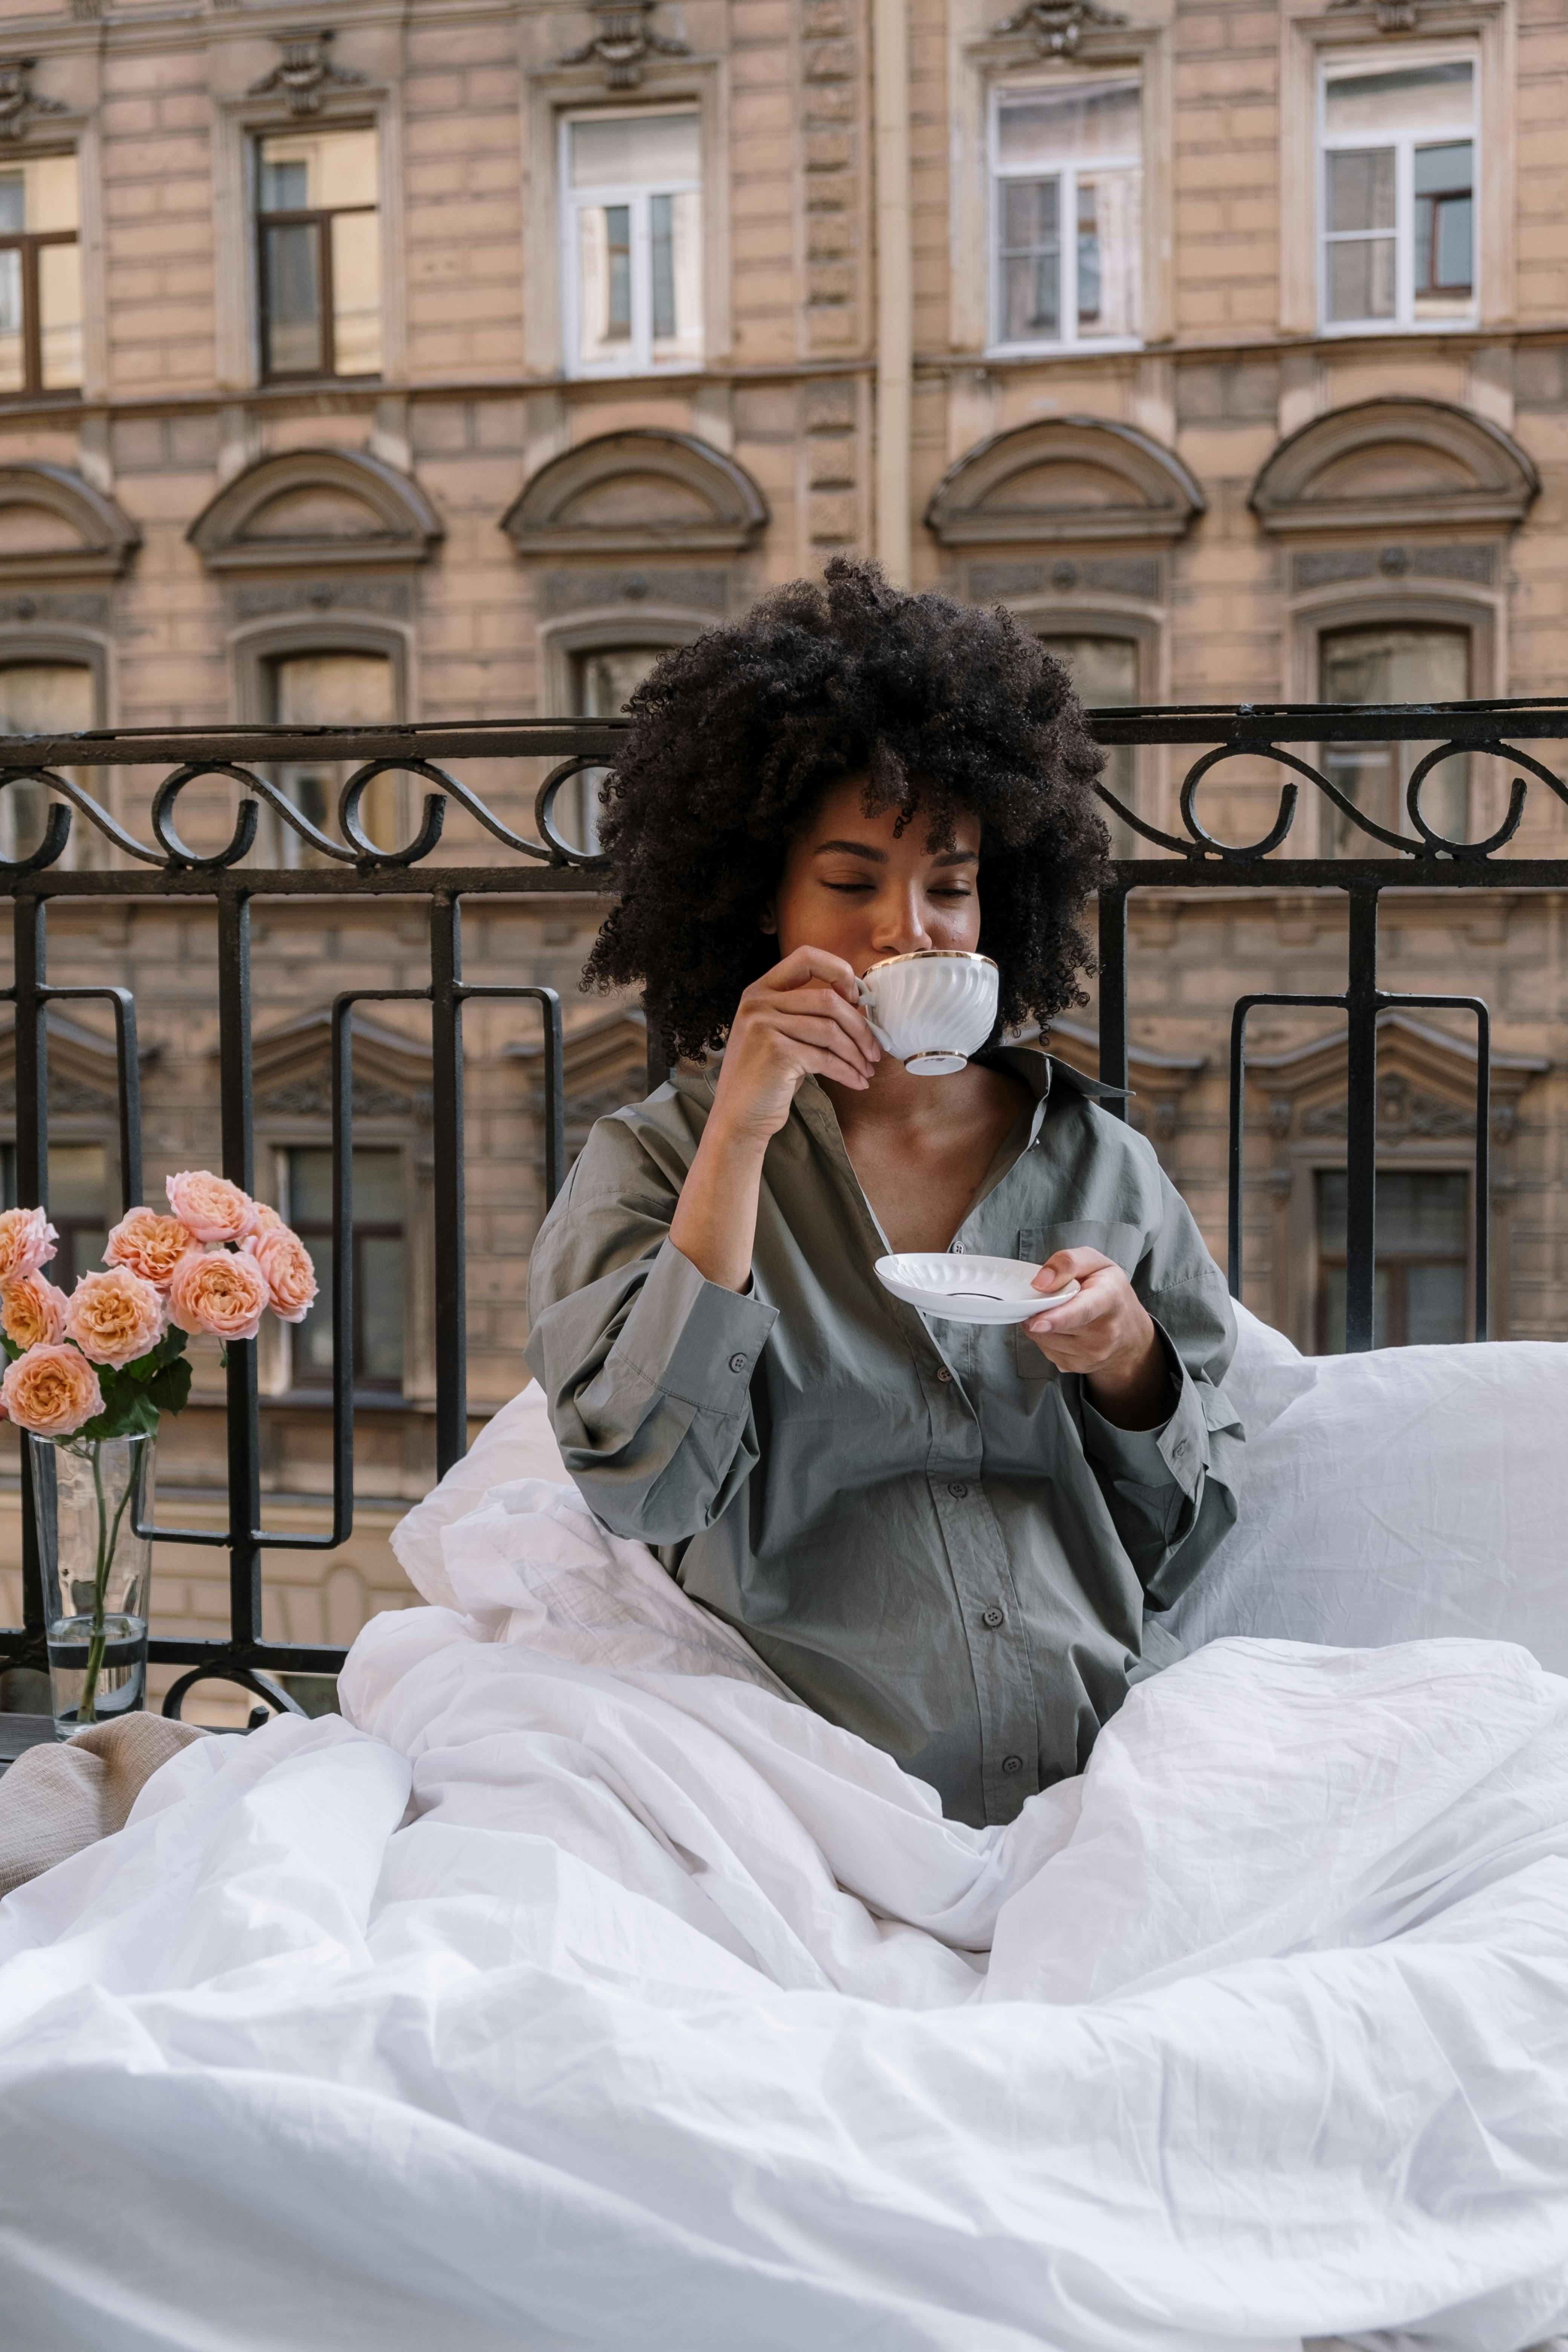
[[1363, 1002], [129, 1099], [1238, 1103], [1483, 1171], [446, 1105], [1113, 994], [343, 1262], [239, 1167], [30, 927], [554, 1096]]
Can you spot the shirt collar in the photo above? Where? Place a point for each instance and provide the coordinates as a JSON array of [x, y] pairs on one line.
[[1039, 1072]]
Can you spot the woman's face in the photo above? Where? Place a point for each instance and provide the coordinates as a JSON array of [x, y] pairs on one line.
[[851, 886]]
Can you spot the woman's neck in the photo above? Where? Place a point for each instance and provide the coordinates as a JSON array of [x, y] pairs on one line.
[[921, 1147]]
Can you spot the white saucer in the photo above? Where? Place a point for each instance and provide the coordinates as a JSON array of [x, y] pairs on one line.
[[968, 1289]]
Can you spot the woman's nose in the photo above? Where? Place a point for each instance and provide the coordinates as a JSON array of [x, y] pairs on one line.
[[901, 925]]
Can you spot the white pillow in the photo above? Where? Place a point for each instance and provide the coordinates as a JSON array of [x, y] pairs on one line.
[[1410, 1492], [516, 1443], [1266, 1374]]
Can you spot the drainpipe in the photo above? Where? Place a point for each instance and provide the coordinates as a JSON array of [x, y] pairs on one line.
[[895, 293]]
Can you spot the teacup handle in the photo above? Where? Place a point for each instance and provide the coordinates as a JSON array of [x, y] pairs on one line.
[[867, 997]]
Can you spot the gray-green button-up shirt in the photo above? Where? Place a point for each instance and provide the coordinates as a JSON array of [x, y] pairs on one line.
[[926, 1531]]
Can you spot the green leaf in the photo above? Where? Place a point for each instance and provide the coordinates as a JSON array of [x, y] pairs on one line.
[[148, 1367], [135, 1416], [169, 1390]]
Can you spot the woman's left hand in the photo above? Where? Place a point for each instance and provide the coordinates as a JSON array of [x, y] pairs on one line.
[[1105, 1334]]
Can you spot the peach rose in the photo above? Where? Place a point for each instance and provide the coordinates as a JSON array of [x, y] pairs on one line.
[[26, 1241], [115, 1316], [287, 1269], [267, 1220], [32, 1311], [210, 1206], [221, 1291], [151, 1246], [51, 1390]]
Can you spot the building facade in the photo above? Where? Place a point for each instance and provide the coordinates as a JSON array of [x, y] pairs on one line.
[[455, 360]]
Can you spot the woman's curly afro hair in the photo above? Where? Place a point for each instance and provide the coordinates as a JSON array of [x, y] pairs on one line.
[[941, 708]]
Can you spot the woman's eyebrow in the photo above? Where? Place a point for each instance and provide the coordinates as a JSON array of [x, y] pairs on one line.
[[852, 849]]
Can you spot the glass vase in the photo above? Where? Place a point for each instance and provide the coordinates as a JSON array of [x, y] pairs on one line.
[[86, 1499]]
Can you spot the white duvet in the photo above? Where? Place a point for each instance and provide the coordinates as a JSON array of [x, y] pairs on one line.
[[582, 1989]]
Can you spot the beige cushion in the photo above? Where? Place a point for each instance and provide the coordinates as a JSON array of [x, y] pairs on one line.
[[58, 1797]]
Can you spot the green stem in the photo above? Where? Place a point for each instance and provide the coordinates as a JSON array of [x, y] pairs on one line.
[[108, 1540]]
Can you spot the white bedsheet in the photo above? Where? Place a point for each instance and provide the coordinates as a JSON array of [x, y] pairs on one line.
[[585, 1990]]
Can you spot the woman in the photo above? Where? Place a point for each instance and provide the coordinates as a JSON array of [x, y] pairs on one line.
[[942, 1536]]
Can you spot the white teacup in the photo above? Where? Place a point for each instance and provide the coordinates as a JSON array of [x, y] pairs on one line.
[[932, 1009]]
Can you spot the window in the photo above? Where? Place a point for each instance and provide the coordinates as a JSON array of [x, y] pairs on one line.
[[1398, 195], [378, 1266], [38, 698], [602, 684], [1411, 664], [335, 690], [633, 221], [1104, 672], [40, 276], [1066, 195], [78, 1181], [319, 253], [1423, 1259]]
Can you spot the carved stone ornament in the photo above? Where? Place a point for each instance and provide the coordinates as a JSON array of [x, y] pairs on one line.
[[1393, 16], [623, 42], [19, 102], [304, 72], [1057, 26]]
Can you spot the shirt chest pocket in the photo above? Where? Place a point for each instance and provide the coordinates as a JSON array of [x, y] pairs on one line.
[[1124, 1242]]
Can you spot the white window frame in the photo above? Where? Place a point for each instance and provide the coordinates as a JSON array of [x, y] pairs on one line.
[[1066, 176], [638, 358], [1339, 67]]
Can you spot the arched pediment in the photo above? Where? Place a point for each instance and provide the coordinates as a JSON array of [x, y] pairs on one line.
[[1426, 1083], [55, 526], [314, 506], [292, 1071], [1066, 477], [631, 493], [1395, 464]]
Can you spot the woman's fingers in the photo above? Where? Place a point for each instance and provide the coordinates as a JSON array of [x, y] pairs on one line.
[[820, 1004], [1066, 1265], [805, 963], [823, 1035]]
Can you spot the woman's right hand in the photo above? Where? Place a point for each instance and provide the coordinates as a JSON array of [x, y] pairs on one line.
[[801, 1019]]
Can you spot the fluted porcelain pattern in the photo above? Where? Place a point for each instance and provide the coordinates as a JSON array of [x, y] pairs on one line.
[[962, 1289], [932, 1009]]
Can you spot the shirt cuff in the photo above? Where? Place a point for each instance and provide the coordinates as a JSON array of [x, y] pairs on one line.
[[1176, 1454], [693, 1339]]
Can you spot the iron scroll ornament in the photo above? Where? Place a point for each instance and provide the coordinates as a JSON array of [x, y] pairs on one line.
[[175, 855], [1426, 842], [355, 849]]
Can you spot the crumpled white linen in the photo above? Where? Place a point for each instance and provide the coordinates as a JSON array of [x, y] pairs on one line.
[[585, 1989]]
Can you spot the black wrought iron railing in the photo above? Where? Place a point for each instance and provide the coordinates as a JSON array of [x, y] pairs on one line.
[[349, 864]]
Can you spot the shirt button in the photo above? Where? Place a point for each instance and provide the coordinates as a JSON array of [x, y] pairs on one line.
[[737, 1363], [957, 1250], [992, 1618], [958, 1490], [1011, 1763], [944, 1375]]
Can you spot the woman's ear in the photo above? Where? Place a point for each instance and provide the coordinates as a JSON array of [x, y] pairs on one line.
[[767, 919]]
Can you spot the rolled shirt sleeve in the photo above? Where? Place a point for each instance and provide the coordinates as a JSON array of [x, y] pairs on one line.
[[647, 1365]]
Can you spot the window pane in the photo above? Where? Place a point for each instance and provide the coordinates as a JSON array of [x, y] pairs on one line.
[[13, 203], [75, 1178], [356, 294], [310, 1187], [12, 356], [60, 315], [380, 1306], [677, 272], [1360, 278], [605, 280], [1031, 265], [1434, 1305], [1360, 189], [1335, 1309], [1104, 672], [317, 171], [337, 690], [1109, 245], [52, 199], [1394, 665], [636, 151], [1418, 1211], [1411, 97], [294, 299], [38, 698], [1067, 126], [604, 683]]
